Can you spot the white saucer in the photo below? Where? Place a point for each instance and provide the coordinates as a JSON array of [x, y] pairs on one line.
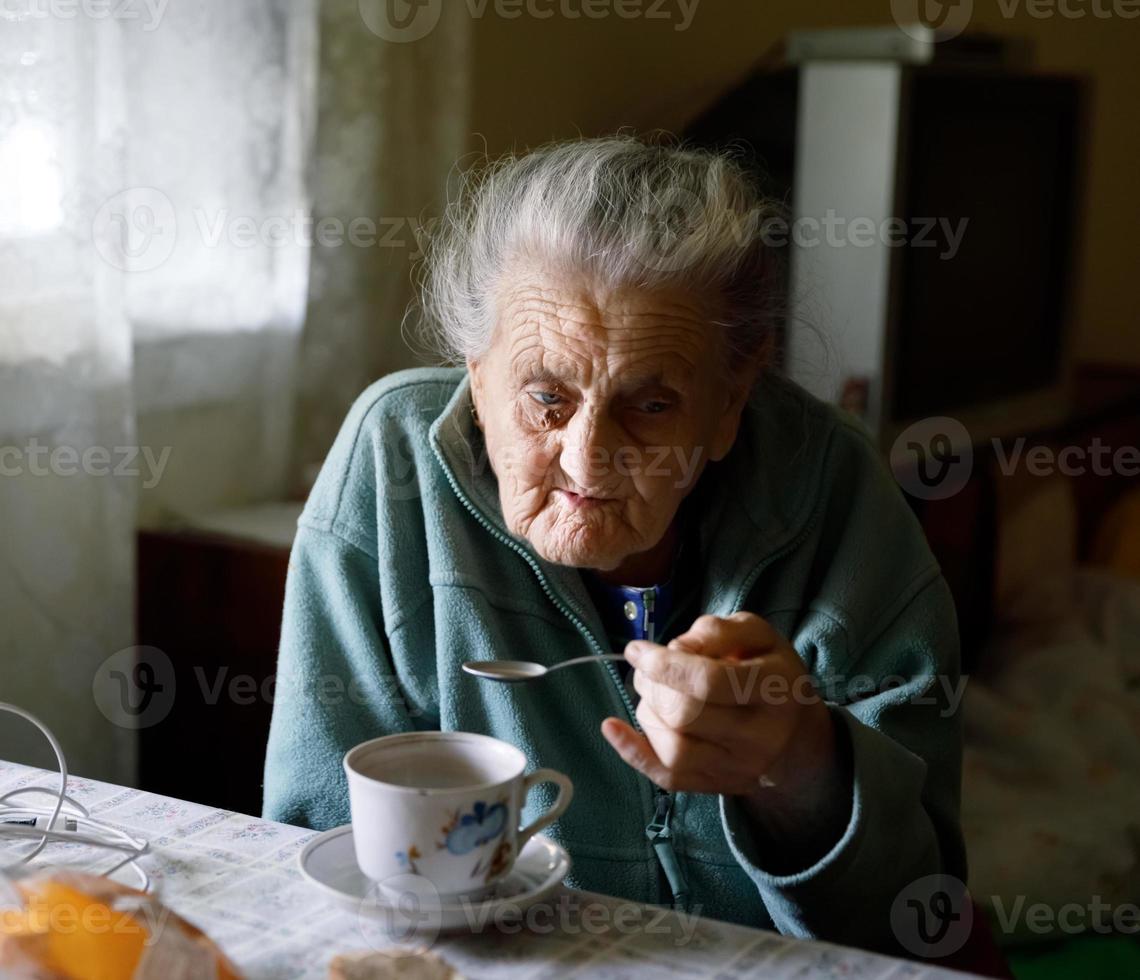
[[329, 862]]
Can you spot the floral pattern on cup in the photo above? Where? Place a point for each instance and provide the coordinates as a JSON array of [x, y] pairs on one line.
[[463, 833], [499, 863], [407, 858]]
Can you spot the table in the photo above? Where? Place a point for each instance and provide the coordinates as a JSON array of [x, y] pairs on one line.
[[235, 876]]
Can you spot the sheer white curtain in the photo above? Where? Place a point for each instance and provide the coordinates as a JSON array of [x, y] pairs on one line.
[[394, 118], [65, 374], [147, 317], [175, 335]]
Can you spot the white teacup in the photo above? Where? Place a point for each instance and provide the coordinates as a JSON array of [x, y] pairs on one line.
[[443, 806]]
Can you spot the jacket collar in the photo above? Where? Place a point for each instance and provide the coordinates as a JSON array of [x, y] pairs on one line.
[[746, 509]]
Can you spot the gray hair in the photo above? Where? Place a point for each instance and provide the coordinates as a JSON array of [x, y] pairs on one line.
[[622, 210]]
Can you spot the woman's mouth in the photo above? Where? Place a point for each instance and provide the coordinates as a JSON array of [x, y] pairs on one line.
[[580, 501]]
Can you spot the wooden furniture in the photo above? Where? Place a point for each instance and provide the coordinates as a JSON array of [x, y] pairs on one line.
[[210, 599]]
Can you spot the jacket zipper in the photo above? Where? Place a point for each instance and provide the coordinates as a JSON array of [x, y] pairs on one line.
[[659, 835], [659, 831]]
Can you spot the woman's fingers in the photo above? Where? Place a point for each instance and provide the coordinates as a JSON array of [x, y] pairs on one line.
[[693, 674], [740, 660], [634, 749], [729, 724], [712, 752], [688, 765], [720, 706], [742, 633], [759, 680]]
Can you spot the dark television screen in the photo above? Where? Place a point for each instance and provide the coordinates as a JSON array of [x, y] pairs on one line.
[[757, 122], [986, 323]]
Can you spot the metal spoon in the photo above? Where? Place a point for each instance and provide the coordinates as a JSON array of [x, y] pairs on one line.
[[517, 671]]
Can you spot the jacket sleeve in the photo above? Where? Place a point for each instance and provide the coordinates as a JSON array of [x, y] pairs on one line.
[[335, 682], [892, 681]]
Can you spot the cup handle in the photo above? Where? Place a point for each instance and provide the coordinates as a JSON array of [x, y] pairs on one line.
[[561, 802]]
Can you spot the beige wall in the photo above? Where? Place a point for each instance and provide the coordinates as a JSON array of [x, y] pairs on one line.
[[541, 79]]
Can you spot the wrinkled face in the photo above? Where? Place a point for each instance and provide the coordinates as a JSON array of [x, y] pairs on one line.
[[600, 409]]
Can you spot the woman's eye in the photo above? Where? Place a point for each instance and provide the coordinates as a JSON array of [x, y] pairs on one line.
[[547, 399], [655, 408]]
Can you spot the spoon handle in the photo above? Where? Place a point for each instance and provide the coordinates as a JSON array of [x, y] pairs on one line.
[[585, 660]]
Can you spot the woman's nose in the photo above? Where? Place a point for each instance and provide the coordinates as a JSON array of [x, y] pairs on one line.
[[590, 445]]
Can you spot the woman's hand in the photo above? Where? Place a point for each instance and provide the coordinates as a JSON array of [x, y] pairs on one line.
[[727, 707]]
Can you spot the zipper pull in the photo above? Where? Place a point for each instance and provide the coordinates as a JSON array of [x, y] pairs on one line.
[[659, 825], [660, 835], [648, 598]]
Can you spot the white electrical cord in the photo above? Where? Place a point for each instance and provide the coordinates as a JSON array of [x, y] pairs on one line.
[[46, 824]]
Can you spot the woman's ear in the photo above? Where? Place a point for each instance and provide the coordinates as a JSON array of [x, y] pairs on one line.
[[476, 380]]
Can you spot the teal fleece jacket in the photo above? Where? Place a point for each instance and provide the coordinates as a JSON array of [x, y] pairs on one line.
[[403, 568]]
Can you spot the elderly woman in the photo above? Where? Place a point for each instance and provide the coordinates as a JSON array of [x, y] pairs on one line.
[[613, 467]]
